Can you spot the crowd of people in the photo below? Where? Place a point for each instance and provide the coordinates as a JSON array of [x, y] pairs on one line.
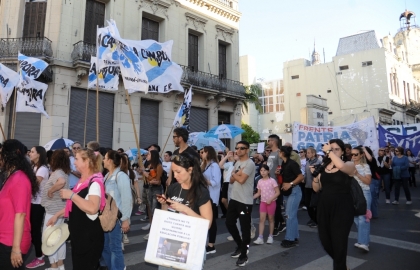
[[40, 189]]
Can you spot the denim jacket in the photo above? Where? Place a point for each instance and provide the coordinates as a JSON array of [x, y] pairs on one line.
[[120, 190]]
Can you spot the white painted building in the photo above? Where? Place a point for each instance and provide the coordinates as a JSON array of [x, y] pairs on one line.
[[206, 45]]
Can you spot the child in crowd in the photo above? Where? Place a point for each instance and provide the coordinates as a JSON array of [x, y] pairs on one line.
[[268, 189]]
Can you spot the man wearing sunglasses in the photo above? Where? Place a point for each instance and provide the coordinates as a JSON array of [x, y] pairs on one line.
[[241, 201]]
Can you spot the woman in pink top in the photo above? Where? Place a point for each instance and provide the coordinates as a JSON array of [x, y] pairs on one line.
[[16, 189], [268, 189]]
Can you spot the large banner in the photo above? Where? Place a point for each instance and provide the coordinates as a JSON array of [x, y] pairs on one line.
[[359, 133], [411, 141], [31, 67], [8, 80], [403, 129], [30, 97]]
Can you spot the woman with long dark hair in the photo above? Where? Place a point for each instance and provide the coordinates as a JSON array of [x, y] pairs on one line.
[[117, 184], [189, 195], [152, 176], [82, 206], [38, 157], [19, 184], [335, 212], [212, 173], [51, 201], [412, 167]]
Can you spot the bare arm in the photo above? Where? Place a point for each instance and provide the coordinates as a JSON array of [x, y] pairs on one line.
[[368, 156], [239, 177], [18, 231], [316, 183], [258, 194], [59, 184], [90, 206], [39, 179]]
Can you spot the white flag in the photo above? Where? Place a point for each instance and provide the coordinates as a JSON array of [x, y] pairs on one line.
[[182, 117], [30, 97], [30, 67], [108, 75], [8, 80]]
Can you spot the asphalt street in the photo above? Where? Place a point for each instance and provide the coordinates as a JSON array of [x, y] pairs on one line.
[[395, 244]]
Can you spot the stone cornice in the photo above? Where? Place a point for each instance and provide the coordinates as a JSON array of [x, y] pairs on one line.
[[157, 6], [218, 8], [224, 32], [197, 21]]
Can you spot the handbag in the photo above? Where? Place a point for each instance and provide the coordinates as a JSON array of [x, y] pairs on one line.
[[359, 200]]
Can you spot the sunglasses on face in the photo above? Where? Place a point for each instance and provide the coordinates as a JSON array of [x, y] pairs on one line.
[[267, 150], [76, 148], [240, 148], [355, 154], [301, 152]]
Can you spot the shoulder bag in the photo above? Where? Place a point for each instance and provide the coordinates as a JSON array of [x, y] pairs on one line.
[[359, 200]]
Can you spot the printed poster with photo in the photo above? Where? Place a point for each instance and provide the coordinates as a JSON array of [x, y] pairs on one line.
[[177, 240]]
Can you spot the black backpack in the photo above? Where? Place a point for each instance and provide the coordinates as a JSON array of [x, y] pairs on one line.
[[359, 200]]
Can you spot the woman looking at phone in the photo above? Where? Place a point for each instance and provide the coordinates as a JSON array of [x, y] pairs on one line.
[[189, 195]]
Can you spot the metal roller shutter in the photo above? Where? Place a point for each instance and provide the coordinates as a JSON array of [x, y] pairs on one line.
[[77, 117], [199, 119], [149, 122], [28, 126]]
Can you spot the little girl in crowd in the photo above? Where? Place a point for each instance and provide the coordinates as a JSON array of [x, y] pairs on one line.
[[268, 189]]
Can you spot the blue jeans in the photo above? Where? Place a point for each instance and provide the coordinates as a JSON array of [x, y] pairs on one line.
[[363, 227], [112, 253], [374, 191], [387, 184], [292, 205], [404, 183]]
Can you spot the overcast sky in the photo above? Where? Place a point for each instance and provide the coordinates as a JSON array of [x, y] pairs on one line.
[[275, 31]]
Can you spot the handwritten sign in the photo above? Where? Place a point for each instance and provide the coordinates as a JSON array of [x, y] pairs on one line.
[[177, 240]]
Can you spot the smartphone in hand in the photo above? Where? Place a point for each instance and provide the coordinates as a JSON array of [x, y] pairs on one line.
[[159, 196]]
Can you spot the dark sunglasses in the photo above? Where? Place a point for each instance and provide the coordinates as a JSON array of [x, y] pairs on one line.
[[268, 150], [241, 148], [301, 152], [355, 155], [77, 148]]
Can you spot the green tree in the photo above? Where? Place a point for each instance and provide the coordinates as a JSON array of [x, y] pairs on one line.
[[252, 93], [250, 135]]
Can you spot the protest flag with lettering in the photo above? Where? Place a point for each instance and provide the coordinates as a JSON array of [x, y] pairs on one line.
[[182, 117], [107, 77], [30, 97], [30, 67], [8, 80]]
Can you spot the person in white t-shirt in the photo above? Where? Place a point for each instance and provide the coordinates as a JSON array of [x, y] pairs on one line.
[[38, 158], [166, 164]]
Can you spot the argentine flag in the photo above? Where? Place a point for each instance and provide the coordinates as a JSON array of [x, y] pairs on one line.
[[182, 117]]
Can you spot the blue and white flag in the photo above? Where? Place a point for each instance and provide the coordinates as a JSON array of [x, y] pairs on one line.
[[107, 77], [182, 117], [8, 80], [106, 49], [30, 97], [411, 141], [30, 67]]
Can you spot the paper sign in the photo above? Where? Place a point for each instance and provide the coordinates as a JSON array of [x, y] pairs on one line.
[[260, 147], [177, 240]]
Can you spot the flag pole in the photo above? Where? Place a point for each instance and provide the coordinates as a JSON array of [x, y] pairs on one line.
[[2, 132], [12, 132], [134, 129], [97, 99], [170, 132], [86, 110]]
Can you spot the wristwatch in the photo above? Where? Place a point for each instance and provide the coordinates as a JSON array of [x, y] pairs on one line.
[[291, 184], [328, 151]]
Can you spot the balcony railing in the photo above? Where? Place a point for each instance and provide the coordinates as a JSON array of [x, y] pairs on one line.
[[225, 2], [35, 47], [210, 81], [82, 51]]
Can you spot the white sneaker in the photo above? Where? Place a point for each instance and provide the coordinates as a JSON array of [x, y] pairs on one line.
[[146, 237], [145, 228], [253, 229], [230, 238], [259, 241], [270, 240], [125, 239], [395, 202], [409, 202], [364, 247], [357, 245], [387, 201]]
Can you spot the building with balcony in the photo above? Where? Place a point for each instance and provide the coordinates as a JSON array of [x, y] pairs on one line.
[[63, 33]]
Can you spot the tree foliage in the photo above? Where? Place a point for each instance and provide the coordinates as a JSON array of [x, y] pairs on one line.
[[252, 93], [250, 135]]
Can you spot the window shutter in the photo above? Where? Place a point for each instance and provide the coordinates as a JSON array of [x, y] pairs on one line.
[[222, 61], [94, 16], [199, 119], [149, 122], [149, 29], [34, 19], [193, 52]]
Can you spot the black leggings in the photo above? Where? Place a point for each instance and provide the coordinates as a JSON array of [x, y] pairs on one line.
[[412, 179], [311, 210], [37, 217], [213, 228], [5, 262]]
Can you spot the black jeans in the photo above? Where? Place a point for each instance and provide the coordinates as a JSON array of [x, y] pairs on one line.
[[5, 262], [278, 217], [412, 181], [402, 182], [311, 210], [213, 228], [243, 212], [37, 217]]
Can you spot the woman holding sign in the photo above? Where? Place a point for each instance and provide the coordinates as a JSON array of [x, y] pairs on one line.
[[189, 196]]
